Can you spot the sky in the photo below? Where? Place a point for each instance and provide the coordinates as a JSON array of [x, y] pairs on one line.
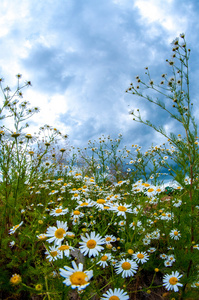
[[81, 56]]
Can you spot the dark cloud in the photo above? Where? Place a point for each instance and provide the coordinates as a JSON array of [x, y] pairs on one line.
[[89, 51]]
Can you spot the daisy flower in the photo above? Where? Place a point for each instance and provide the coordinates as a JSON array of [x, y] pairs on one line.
[[127, 267], [14, 228], [171, 282], [11, 244], [175, 234], [15, 279], [58, 233], [53, 253], [91, 244], [151, 250], [103, 261], [121, 210], [85, 203], [76, 277], [109, 239], [118, 294], [65, 250], [163, 256], [168, 263], [76, 214], [141, 257], [59, 211], [42, 237]]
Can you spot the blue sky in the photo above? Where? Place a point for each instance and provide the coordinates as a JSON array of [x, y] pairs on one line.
[[81, 56]]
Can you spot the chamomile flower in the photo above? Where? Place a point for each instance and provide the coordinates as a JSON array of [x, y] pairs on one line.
[[103, 261], [76, 277], [58, 233], [163, 256], [171, 282], [15, 279], [151, 250], [91, 244], [11, 244], [175, 234], [127, 267], [42, 237], [167, 263], [14, 228], [121, 209], [141, 257], [109, 239], [65, 250], [53, 253], [117, 294], [59, 211]]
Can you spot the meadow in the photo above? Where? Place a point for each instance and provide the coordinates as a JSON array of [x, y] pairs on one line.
[[99, 222]]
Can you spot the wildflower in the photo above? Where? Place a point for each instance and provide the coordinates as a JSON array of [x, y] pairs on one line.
[[38, 287], [168, 263], [163, 256], [59, 211], [53, 253], [151, 250], [117, 294], [65, 250], [109, 239], [121, 209], [14, 228], [171, 282], [15, 279], [58, 233], [76, 277], [42, 237], [103, 261], [11, 244], [141, 257], [91, 244], [127, 267], [175, 234]]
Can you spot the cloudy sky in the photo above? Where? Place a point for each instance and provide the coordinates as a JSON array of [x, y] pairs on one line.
[[81, 56]]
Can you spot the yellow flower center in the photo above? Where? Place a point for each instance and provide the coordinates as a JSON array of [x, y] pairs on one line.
[[84, 204], [101, 201], [122, 208], [114, 298], [78, 278], [173, 280], [58, 211], [150, 190], [104, 258], [53, 253], [15, 279], [59, 233], [76, 212], [42, 237], [108, 239], [126, 265], [140, 256], [130, 251], [91, 244], [64, 247], [76, 195], [163, 214], [175, 232]]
